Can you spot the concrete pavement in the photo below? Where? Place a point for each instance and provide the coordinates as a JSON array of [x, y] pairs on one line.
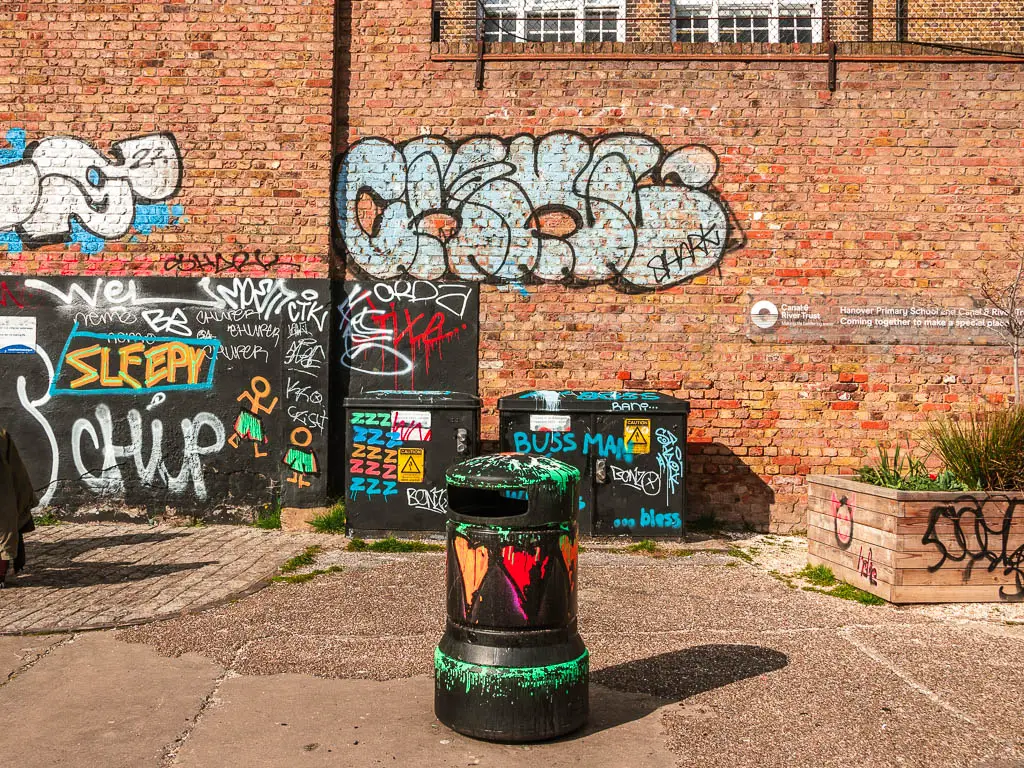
[[699, 660]]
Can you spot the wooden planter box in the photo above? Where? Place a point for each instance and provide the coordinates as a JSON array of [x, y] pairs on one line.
[[918, 546]]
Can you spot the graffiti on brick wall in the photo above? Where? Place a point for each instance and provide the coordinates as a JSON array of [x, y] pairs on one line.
[[563, 207], [970, 532], [409, 334], [62, 190], [190, 393]]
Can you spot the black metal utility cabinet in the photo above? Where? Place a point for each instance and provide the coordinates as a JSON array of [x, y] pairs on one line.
[[398, 445], [630, 449]]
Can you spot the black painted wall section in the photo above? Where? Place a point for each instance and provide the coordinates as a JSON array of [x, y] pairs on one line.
[[407, 335], [411, 335], [204, 396]]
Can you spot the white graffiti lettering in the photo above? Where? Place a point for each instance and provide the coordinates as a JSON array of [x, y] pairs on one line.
[[61, 180], [364, 339], [561, 207], [642, 480], [428, 499], [670, 460], [108, 479]]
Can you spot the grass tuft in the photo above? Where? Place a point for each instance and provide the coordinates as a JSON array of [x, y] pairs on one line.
[[739, 553], [391, 544], [269, 517], [47, 518], [302, 578], [646, 546], [332, 521], [301, 560], [818, 575], [822, 576], [982, 450], [850, 592]]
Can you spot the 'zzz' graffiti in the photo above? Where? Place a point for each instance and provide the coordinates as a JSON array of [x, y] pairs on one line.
[[61, 190], [562, 207]]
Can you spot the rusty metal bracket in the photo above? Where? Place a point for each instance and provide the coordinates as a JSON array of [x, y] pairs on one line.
[[833, 68], [480, 63]]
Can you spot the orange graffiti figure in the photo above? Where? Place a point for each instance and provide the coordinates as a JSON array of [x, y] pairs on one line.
[[248, 425], [299, 458]]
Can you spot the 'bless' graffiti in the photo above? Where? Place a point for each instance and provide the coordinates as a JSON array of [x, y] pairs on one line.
[[563, 207]]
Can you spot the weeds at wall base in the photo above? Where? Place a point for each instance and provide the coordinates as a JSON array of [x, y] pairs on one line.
[[47, 518], [333, 521], [392, 544], [269, 517]]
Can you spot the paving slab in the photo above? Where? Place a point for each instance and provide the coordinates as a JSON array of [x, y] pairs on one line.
[[88, 576], [95, 701], [17, 652], [301, 722]]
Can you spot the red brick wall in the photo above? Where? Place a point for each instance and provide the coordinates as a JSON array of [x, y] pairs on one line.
[[897, 181], [244, 88]]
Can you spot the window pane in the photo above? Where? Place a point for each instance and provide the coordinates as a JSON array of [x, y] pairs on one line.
[[601, 26], [550, 26], [692, 28], [499, 27]]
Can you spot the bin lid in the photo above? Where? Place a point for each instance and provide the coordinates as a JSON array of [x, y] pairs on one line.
[[571, 400], [512, 471], [407, 398]]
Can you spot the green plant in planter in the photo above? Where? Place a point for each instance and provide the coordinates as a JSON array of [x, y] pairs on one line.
[[901, 471], [982, 450]]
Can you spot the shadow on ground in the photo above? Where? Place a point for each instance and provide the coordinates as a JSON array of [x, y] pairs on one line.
[[55, 563], [92, 574], [637, 688]]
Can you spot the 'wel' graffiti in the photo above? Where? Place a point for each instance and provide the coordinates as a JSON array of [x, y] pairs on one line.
[[60, 190], [561, 207]]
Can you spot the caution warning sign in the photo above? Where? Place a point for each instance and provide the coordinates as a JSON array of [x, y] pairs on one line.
[[637, 435], [410, 465]]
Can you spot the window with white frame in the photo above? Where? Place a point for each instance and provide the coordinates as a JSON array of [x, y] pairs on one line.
[[553, 20], [747, 21]]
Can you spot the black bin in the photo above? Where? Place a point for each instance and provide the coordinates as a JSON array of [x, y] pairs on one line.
[[398, 445], [630, 449], [511, 665]]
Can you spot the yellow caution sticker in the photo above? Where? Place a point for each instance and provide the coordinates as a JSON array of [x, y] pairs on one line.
[[637, 435], [410, 465]]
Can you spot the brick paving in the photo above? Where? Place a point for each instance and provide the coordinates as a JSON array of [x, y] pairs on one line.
[[90, 576]]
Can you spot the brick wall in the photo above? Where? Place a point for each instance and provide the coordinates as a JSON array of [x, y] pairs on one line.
[[965, 21], [245, 91], [896, 183]]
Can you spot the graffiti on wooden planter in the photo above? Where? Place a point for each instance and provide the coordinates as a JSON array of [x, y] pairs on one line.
[[563, 207], [978, 532], [842, 518]]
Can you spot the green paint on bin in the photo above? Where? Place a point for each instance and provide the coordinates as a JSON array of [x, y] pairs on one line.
[[472, 530], [500, 682], [512, 471]]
